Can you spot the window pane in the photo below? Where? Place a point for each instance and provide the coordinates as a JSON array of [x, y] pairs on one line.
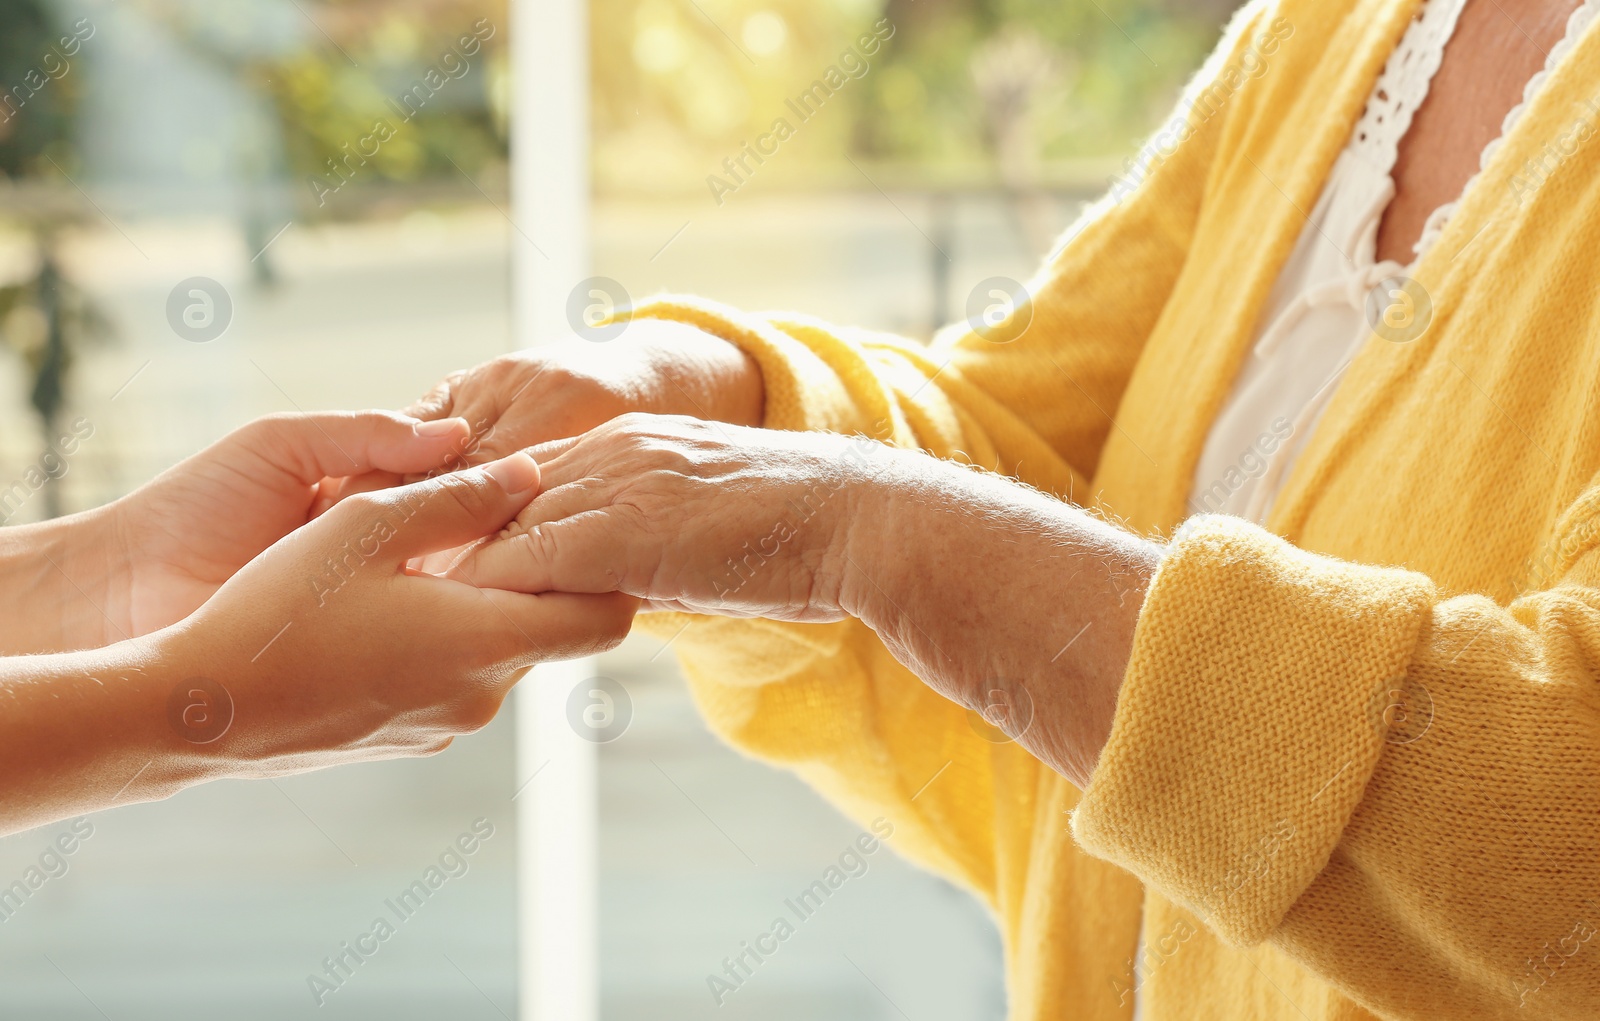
[[173, 206]]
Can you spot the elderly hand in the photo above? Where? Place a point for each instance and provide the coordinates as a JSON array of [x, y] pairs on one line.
[[530, 397], [1004, 600], [689, 515]]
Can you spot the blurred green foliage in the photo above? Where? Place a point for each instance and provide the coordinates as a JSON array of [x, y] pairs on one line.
[[962, 87], [356, 61], [38, 95], [335, 91]]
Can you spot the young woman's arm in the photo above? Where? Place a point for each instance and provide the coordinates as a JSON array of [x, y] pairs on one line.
[[151, 558], [36, 604], [325, 649], [82, 731]]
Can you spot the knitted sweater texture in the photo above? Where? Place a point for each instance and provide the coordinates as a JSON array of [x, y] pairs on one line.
[[1355, 765]]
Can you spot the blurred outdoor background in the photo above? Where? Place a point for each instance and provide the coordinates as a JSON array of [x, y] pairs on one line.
[[337, 172]]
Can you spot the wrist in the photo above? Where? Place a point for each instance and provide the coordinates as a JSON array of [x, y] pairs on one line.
[[701, 375], [882, 511], [194, 703], [56, 578], [116, 746]]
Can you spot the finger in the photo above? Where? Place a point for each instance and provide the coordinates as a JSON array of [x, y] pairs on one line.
[[327, 494], [331, 491], [575, 554], [440, 562], [438, 402], [565, 501], [721, 608], [480, 448], [563, 460], [563, 625], [489, 447], [549, 450], [450, 510], [485, 448], [311, 447]]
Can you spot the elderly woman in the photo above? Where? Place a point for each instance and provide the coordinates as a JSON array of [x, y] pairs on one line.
[[1333, 753]]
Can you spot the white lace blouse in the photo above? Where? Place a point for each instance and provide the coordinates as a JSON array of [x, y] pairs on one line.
[[1331, 294]]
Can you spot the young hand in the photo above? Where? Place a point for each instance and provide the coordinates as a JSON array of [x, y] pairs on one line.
[[335, 649], [325, 649], [154, 556]]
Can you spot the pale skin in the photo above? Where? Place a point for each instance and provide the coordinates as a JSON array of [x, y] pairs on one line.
[[215, 570], [657, 507], [197, 574]]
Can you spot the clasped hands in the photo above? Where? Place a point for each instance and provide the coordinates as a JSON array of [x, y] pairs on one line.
[[991, 593], [354, 603]]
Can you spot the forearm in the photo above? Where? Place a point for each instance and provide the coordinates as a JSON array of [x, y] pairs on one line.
[[975, 583], [946, 400], [1008, 601], [84, 731]]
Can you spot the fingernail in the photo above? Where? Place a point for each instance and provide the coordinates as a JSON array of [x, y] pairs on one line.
[[516, 474], [440, 427]]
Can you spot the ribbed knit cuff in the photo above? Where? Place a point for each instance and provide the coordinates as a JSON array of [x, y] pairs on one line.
[[1254, 709], [803, 392]]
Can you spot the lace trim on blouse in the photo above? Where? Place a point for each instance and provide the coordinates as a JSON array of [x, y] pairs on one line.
[[1439, 218]]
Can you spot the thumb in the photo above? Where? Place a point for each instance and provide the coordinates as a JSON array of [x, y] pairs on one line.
[[341, 443], [562, 625], [439, 401], [451, 510]]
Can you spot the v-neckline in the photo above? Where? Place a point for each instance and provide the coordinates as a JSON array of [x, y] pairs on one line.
[[1476, 228], [1270, 176], [1576, 23]]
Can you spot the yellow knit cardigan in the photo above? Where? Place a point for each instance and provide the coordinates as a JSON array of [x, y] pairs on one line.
[[1295, 846]]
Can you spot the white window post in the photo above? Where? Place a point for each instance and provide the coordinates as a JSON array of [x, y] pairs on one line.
[[557, 819]]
